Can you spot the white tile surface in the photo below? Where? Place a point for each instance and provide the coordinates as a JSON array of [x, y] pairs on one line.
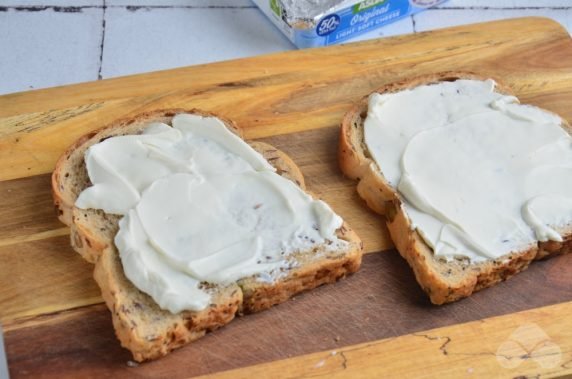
[[146, 40], [52, 47], [183, 3], [45, 3], [506, 3], [441, 18], [48, 48]]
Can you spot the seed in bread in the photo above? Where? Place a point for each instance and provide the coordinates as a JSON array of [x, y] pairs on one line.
[[460, 169], [140, 323]]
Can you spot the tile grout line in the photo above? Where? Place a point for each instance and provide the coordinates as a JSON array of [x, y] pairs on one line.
[[134, 8], [77, 9], [102, 42]]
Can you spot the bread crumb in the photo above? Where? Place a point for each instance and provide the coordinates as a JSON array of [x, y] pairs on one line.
[[132, 364], [333, 353], [320, 364], [337, 338]]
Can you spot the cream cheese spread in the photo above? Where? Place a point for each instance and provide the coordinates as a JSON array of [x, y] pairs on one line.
[[480, 175], [200, 205]]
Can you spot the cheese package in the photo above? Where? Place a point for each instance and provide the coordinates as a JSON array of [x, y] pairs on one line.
[[312, 23]]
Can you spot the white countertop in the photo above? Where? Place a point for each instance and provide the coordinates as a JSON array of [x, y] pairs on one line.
[[48, 43]]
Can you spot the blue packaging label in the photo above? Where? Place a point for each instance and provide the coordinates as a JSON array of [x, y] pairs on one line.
[[357, 19], [364, 16]]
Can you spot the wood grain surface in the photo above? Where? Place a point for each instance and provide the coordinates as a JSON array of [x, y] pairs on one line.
[[381, 301], [375, 323]]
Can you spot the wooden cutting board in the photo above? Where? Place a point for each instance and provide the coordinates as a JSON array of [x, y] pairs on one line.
[[375, 323]]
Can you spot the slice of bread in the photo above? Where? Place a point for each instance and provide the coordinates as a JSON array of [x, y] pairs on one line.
[[148, 331], [443, 281]]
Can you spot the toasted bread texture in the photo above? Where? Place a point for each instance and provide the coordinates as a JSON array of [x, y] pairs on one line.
[[443, 281], [148, 331]]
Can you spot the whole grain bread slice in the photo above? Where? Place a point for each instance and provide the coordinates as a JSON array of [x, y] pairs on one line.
[[141, 326], [443, 281]]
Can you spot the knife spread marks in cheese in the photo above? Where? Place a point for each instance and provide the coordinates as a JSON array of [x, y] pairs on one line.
[[480, 175], [200, 205]]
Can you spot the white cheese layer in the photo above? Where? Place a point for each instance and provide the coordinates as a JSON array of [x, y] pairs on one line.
[[480, 174], [200, 205]]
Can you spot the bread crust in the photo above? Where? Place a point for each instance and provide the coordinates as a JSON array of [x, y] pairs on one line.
[[148, 331], [141, 326], [443, 281]]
